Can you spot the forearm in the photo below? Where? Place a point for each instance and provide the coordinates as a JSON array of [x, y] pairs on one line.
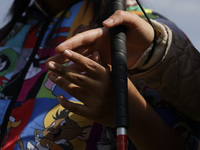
[[147, 130], [158, 52], [174, 74]]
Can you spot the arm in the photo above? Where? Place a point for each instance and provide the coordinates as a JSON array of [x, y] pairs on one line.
[[147, 130], [139, 38], [173, 72]]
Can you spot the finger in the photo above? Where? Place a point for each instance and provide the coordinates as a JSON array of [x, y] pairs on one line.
[[96, 58], [75, 67], [63, 76], [72, 65], [91, 67], [123, 18], [61, 59], [74, 90], [80, 40], [135, 24], [76, 108]]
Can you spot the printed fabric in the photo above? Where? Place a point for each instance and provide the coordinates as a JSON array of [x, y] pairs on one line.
[[31, 117]]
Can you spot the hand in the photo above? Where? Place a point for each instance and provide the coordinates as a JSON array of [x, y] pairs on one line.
[[139, 36], [88, 81]]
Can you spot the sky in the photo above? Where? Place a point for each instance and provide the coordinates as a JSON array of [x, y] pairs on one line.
[[184, 13]]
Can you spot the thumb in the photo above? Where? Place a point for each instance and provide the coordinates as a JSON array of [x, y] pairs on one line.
[[123, 18]]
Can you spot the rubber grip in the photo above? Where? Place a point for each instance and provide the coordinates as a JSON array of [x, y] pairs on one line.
[[119, 68]]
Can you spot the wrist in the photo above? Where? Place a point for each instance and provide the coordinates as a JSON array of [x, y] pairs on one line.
[[162, 37]]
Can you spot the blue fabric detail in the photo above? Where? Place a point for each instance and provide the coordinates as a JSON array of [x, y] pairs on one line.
[[3, 107], [18, 40]]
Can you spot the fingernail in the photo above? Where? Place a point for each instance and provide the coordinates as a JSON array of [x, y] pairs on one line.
[[67, 53], [108, 21], [60, 97], [52, 65], [96, 56], [53, 77]]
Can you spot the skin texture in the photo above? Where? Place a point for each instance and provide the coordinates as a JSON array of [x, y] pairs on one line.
[[138, 30], [147, 130]]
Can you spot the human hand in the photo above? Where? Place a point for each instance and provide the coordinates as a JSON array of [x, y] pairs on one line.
[[88, 81], [139, 36]]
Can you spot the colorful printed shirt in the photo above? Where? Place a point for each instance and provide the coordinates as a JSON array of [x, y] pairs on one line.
[[31, 116]]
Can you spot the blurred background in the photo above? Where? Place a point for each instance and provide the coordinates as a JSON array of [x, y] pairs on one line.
[[182, 12]]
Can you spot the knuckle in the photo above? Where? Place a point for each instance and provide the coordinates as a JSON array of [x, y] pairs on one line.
[[91, 65], [119, 12], [73, 92], [82, 38], [59, 69], [60, 82], [77, 79], [74, 110]]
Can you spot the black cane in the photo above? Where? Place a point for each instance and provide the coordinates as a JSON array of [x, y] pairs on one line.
[[119, 77]]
